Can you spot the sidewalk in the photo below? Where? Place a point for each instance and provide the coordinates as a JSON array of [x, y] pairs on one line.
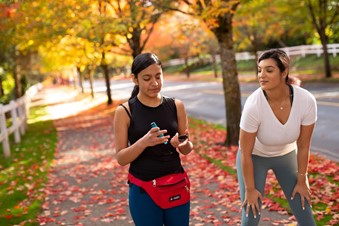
[[87, 187]]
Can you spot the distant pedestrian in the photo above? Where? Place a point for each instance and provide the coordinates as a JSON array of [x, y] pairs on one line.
[[147, 129], [275, 133]]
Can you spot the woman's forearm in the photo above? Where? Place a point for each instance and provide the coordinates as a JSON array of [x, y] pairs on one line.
[[186, 149], [246, 147], [130, 153], [302, 159], [303, 151], [247, 171]]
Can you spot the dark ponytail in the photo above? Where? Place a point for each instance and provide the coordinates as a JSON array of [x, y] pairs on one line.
[[141, 62], [293, 80], [135, 91]]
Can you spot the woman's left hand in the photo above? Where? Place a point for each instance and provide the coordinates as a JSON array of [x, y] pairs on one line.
[[176, 143], [302, 187]]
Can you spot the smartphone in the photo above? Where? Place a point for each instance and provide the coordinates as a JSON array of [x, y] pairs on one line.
[[153, 124], [182, 138]]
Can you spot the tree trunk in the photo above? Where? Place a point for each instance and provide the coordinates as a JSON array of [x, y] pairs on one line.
[[230, 79], [81, 80], [320, 21], [134, 42], [327, 65], [187, 68], [2, 92], [90, 77], [215, 67], [256, 57], [16, 76], [254, 43], [107, 79]]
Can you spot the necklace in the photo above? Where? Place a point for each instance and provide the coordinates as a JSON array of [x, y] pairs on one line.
[[291, 96]]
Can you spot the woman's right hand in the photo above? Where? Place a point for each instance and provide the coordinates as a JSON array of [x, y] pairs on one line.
[[251, 201], [154, 137]]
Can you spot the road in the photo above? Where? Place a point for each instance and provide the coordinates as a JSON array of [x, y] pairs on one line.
[[204, 100]]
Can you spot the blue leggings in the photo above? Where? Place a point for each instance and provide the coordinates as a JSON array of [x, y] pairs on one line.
[[146, 213], [285, 170]]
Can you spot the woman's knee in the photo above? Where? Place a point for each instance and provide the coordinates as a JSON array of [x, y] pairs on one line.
[[303, 216], [249, 220]]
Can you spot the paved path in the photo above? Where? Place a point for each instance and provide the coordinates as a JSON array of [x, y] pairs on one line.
[[87, 187]]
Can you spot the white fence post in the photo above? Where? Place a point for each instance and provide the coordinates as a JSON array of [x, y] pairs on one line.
[[303, 51], [15, 123], [19, 111], [22, 115], [4, 133], [333, 48], [319, 51]]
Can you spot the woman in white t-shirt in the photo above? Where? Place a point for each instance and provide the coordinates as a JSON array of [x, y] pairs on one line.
[[276, 127]]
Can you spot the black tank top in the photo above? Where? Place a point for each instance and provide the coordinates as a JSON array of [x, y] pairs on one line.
[[161, 159]]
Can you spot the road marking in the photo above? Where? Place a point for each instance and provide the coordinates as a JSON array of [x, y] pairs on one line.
[[326, 103], [185, 86], [210, 91], [326, 95]]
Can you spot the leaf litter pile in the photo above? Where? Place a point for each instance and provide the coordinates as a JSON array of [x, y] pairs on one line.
[[87, 187]]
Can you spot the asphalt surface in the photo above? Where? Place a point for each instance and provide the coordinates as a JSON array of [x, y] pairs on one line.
[[87, 187]]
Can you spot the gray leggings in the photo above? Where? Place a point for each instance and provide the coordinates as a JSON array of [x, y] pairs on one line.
[[285, 170]]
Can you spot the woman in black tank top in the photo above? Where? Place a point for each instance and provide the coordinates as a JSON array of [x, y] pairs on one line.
[[151, 152]]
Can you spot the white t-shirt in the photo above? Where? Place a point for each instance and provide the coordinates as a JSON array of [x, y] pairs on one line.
[[273, 137]]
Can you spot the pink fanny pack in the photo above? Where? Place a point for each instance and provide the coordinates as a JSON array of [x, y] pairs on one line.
[[167, 191]]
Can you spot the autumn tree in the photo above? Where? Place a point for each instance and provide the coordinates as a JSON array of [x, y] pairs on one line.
[[89, 37], [5, 62], [212, 48], [109, 21], [253, 30], [114, 20], [88, 31], [9, 42], [199, 42], [282, 26], [138, 19], [324, 16], [188, 39], [30, 25], [103, 34], [168, 48], [218, 16]]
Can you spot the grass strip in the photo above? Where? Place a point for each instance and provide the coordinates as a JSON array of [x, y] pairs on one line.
[[24, 174]]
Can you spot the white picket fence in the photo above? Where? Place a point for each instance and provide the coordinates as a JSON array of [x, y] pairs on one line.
[[17, 112], [302, 50]]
